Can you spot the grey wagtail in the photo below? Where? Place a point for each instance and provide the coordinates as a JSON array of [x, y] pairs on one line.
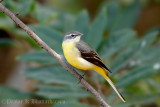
[[82, 56]]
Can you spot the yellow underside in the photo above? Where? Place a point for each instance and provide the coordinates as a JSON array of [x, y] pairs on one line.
[[73, 57]]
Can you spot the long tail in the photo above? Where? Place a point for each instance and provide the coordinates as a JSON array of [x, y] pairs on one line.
[[115, 89], [102, 72]]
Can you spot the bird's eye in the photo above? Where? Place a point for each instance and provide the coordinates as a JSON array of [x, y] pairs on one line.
[[73, 35]]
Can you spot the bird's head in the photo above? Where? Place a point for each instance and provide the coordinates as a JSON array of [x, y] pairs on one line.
[[72, 36]]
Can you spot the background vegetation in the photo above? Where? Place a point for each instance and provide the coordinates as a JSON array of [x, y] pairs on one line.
[[121, 31]]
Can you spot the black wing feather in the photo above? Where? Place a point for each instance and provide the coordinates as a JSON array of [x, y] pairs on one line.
[[89, 54]]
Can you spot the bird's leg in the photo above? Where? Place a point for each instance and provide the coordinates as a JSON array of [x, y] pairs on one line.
[[79, 78], [86, 72], [83, 74]]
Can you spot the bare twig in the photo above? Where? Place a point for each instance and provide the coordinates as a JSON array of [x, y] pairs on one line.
[[54, 54], [16, 13]]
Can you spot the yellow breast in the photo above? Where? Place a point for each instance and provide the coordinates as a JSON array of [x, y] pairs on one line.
[[73, 56]]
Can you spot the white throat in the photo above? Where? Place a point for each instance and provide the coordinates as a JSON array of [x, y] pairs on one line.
[[75, 40]]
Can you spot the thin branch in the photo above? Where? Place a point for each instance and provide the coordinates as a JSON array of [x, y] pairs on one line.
[[54, 54]]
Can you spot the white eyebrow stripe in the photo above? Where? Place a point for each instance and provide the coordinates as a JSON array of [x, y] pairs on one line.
[[69, 35]]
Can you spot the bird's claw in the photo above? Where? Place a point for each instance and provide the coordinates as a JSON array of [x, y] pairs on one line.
[[79, 79]]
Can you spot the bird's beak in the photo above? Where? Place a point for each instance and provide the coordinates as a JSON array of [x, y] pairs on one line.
[[81, 34]]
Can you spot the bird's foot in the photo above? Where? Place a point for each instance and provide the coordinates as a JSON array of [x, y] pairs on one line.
[[79, 78], [83, 75]]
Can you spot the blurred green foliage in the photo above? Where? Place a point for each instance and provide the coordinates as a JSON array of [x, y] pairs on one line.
[[134, 61], [6, 42]]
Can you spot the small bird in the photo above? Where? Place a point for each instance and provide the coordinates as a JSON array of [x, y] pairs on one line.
[[82, 56]]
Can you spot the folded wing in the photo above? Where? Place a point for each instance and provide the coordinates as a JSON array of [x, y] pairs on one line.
[[89, 54]]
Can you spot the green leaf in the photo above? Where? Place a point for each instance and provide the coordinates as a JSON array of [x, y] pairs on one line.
[[64, 22], [49, 36], [6, 42], [95, 34], [81, 23], [71, 103], [14, 6], [117, 41], [67, 22], [51, 74], [148, 38], [6, 23], [20, 6], [137, 74], [60, 92], [32, 42], [48, 14], [146, 56], [38, 56], [113, 8], [59, 20], [135, 49], [10, 93], [121, 60], [126, 17], [26, 6], [135, 100]]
